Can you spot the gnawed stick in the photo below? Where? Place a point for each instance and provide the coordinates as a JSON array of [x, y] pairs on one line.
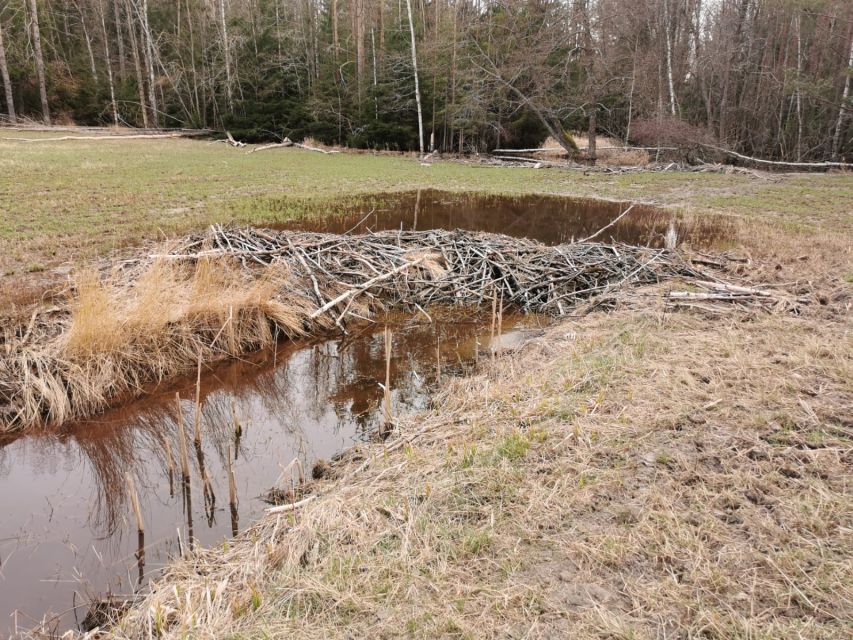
[[282, 508], [363, 288]]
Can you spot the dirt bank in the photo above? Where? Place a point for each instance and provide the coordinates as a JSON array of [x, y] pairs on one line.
[[627, 475]]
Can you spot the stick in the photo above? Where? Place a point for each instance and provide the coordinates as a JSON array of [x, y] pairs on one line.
[[387, 391], [363, 287], [232, 481], [438, 358], [170, 460], [607, 226], [494, 319], [197, 427], [182, 440], [282, 508], [134, 501]]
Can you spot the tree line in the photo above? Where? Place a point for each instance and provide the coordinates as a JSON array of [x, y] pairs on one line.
[[769, 78]]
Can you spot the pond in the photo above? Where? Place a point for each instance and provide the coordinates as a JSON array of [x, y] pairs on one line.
[[68, 533]]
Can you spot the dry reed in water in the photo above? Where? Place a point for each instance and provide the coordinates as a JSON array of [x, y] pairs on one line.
[[232, 480], [197, 412], [134, 501], [182, 439], [386, 395]]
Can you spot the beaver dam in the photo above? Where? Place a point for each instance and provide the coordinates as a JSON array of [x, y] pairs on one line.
[[272, 341], [228, 292]]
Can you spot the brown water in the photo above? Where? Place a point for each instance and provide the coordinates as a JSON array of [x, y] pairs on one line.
[[67, 533], [548, 219]]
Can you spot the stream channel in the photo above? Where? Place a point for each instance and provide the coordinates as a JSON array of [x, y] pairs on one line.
[[67, 531]]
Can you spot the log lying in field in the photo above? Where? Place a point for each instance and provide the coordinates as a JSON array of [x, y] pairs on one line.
[[230, 291]]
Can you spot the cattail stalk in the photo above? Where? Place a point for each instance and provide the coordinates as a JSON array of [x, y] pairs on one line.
[[387, 394], [197, 416], [134, 502], [232, 480], [182, 440]]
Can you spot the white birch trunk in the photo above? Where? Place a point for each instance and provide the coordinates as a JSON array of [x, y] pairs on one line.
[[417, 81], [34, 16], [667, 26], [122, 72], [226, 52], [842, 110], [148, 51], [7, 82], [140, 78], [88, 40], [799, 98], [109, 64]]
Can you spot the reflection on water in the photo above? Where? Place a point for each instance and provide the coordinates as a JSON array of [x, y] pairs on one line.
[[548, 219], [68, 532]]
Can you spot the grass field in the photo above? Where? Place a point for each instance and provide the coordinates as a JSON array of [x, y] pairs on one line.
[[638, 474], [72, 200]]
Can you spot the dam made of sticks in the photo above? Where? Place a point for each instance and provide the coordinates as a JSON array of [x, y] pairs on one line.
[[230, 291]]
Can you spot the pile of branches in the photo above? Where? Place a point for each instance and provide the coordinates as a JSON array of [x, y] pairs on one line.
[[230, 291], [414, 269]]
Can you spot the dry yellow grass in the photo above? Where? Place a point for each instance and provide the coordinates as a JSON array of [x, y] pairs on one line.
[[609, 151], [129, 330]]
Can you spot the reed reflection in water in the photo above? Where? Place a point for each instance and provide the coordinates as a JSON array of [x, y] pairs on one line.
[[68, 525]]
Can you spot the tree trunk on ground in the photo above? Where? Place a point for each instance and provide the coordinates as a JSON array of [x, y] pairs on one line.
[[7, 82], [842, 110], [417, 81], [45, 108]]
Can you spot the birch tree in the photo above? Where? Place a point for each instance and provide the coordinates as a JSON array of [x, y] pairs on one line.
[[417, 81], [843, 109], [7, 82], [42, 79]]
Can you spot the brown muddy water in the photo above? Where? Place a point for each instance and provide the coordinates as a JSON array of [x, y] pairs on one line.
[[67, 531]]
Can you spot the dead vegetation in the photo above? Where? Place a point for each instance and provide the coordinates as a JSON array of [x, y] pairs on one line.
[[231, 291], [630, 475]]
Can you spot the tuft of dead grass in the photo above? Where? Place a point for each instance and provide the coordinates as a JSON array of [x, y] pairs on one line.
[[629, 475], [125, 331], [610, 151]]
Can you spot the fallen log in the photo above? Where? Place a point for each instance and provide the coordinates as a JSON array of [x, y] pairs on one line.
[[287, 142], [139, 136], [232, 141], [780, 163]]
